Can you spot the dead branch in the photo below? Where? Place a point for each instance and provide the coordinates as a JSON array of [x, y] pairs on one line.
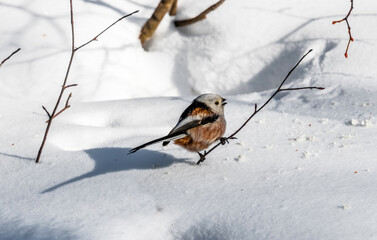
[[163, 7], [96, 37], [48, 114], [151, 25], [301, 88], [225, 140], [65, 86], [348, 26], [182, 23], [71, 85], [173, 9], [9, 56], [65, 108]]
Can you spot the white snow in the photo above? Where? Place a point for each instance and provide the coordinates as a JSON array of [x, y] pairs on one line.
[[304, 168]]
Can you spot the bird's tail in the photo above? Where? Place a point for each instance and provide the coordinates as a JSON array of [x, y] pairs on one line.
[[167, 138]]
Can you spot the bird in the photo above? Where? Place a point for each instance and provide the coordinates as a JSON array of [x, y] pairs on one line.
[[201, 124]]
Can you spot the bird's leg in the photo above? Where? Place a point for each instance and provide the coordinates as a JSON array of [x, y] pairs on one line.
[[202, 157], [224, 140]]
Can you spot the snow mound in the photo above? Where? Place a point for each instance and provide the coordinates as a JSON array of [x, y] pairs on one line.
[[303, 168]]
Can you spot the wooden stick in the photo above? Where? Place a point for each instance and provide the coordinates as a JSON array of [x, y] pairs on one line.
[[182, 23], [151, 25], [348, 26], [173, 9]]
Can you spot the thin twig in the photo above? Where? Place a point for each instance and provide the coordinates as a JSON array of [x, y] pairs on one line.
[[182, 23], [65, 86], [96, 37], [9, 56], [58, 113], [301, 88], [348, 26], [65, 108], [48, 114], [71, 85], [67, 102], [256, 109]]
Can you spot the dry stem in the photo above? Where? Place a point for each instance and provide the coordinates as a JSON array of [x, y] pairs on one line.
[[182, 23], [173, 9], [65, 86], [151, 25], [163, 7], [65, 107], [256, 109], [348, 26], [9, 56]]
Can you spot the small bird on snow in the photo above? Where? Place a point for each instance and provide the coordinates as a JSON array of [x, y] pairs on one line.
[[200, 125]]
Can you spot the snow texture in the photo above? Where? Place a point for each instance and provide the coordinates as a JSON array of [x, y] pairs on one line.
[[304, 168]]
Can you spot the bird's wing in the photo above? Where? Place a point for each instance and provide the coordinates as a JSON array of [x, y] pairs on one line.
[[186, 124], [182, 126], [180, 130], [190, 122]]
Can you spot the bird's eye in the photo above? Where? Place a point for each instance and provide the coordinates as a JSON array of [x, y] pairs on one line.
[[217, 102]]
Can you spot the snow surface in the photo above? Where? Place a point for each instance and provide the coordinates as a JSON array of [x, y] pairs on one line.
[[304, 168]]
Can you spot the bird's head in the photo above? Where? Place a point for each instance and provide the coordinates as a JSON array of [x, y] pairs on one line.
[[213, 101]]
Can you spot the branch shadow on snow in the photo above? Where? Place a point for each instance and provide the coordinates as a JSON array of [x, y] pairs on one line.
[[17, 156], [108, 160]]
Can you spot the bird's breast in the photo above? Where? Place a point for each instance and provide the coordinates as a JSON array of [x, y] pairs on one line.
[[201, 137]]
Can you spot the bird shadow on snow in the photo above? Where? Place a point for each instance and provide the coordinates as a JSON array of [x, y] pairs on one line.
[[18, 229], [108, 160]]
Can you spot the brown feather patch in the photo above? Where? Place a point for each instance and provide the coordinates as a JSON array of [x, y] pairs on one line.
[[200, 112], [201, 137]]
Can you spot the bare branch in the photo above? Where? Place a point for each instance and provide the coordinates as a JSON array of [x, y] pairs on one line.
[[65, 86], [182, 23], [348, 26], [173, 9], [58, 113], [9, 56], [151, 25], [96, 37], [65, 108], [163, 7], [301, 88], [71, 85], [48, 114], [67, 102], [256, 109]]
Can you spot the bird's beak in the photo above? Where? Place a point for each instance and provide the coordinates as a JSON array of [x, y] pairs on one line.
[[224, 101]]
